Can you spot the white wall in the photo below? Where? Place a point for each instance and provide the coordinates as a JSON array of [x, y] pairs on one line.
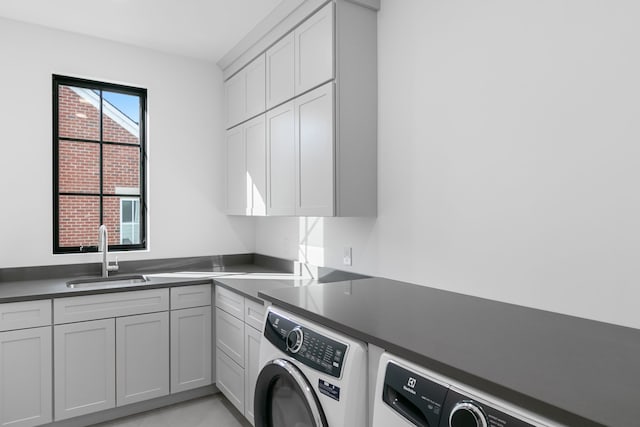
[[186, 171], [509, 157]]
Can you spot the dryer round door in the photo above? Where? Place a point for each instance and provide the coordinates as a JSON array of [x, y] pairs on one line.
[[284, 397]]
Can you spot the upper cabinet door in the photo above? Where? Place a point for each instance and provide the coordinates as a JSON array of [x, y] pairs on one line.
[[255, 87], [281, 159], [314, 50], [280, 71], [314, 143], [256, 176], [235, 99], [236, 171]]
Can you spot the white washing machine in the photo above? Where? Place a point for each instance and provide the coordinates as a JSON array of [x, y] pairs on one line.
[[409, 395], [309, 375]]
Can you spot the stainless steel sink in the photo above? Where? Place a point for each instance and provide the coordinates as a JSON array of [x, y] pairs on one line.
[[108, 281]]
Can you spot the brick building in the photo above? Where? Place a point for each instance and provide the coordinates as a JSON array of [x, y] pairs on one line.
[[82, 153]]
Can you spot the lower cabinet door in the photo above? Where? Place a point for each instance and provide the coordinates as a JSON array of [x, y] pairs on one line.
[[251, 368], [142, 357], [190, 348], [230, 379], [230, 336], [84, 368], [25, 377]]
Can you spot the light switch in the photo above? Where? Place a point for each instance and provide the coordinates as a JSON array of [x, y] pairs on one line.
[[346, 256]]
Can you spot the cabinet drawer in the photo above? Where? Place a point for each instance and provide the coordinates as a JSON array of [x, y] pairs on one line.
[[230, 380], [254, 314], [230, 302], [230, 336], [90, 307], [25, 314], [190, 296]]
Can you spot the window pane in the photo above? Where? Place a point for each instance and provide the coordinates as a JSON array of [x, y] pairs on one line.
[[79, 167], [127, 209], [121, 169], [122, 225], [78, 113], [121, 118], [79, 218]]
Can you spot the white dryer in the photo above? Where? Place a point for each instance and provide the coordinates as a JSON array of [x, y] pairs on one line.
[[409, 395], [309, 375]]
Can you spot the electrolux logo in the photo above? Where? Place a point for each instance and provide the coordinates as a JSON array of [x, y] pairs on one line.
[[411, 382]]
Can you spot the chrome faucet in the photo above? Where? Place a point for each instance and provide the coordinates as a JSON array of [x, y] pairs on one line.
[[103, 245]]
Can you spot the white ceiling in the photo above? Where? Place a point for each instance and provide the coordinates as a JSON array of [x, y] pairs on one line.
[[203, 29]]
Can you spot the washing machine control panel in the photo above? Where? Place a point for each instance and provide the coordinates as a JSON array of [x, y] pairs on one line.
[[305, 345]]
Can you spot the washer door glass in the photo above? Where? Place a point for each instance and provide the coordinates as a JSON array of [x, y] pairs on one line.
[[284, 398]]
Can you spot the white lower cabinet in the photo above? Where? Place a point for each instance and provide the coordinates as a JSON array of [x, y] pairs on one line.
[[84, 366], [25, 377], [230, 335], [238, 348], [230, 379], [142, 357], [251, 369], [190, 348]]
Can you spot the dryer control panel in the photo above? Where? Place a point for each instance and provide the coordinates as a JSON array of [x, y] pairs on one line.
[[305, 345]]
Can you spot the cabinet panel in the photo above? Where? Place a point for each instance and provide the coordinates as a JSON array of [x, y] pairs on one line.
[[314, 50], [280, 71], [235, 98], [256, 175], [254, 314], [230, 379], [281, 159], [25, 314], [25, 377], [236, 176], [230, 302], [90, 307], [142, 357], [255, 86], [190, 296], [84, 368], [190, 348], [230, 336], [251, 370], [315, 152]]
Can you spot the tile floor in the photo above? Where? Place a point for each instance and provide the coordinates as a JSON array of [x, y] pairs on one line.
[[210, 411]]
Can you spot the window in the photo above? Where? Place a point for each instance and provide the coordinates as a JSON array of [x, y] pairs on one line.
[[98, 165]]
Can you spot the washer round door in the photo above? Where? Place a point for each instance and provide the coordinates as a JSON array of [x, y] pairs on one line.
[[284, 398]]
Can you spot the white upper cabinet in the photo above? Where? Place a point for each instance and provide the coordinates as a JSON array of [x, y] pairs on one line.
[[236, 172], [255, 87], [235, 95], [314, 50], [256, 176], [246, 168], [280, 71], [321, 114], [245, 93], [315, 152], [281, 169]]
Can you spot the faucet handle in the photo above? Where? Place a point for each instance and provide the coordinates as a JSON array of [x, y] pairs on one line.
[[114, 266]]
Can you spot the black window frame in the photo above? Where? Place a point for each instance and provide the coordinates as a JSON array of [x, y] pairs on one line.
[[59, 80]]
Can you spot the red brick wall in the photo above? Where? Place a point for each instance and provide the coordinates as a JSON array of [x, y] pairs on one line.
[[78, 169]]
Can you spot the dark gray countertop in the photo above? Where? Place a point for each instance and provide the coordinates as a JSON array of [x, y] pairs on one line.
[[255, 283], [25, 290], [573, 371]]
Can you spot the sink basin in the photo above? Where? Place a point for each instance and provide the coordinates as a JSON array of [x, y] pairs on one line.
[[108, 281]]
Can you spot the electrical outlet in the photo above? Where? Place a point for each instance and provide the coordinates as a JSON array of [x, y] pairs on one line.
[[346, 256]]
